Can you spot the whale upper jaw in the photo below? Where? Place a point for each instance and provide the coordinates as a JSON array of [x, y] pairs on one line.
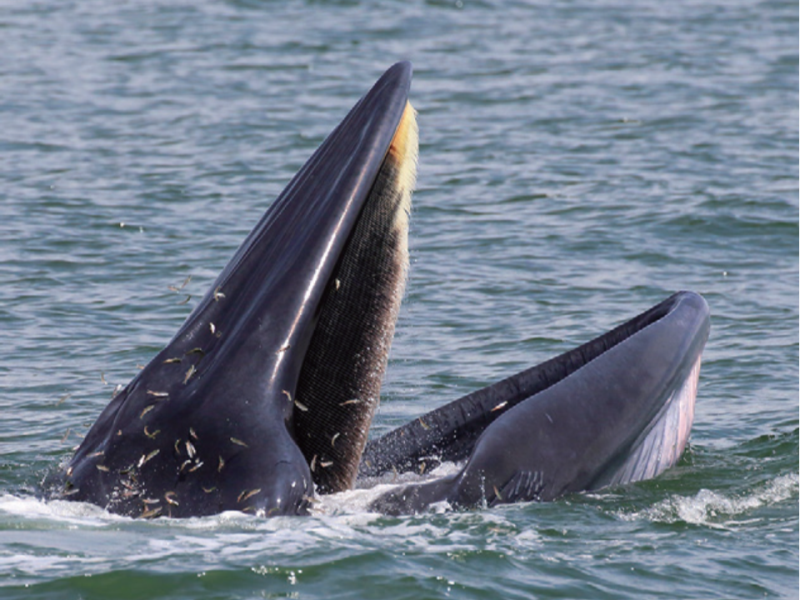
[[237, 412]]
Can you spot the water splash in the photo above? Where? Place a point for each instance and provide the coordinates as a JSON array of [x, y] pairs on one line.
[[713, 509]]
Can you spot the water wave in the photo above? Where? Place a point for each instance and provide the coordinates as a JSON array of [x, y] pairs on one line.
[[718, 510]]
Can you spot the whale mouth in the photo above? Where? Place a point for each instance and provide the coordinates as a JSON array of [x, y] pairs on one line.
[[266, 393], [269, 387]]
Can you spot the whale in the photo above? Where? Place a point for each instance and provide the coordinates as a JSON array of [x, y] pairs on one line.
[[264, 398]]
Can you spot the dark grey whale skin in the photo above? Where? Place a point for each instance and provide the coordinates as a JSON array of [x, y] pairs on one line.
[[208, 424], [615, 410]]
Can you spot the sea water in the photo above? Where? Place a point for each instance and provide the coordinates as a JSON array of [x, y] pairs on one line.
[[579, 162]]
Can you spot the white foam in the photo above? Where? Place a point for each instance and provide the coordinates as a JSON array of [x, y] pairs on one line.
[[716, 510], [358, 500], [68, 513], [348, 509]]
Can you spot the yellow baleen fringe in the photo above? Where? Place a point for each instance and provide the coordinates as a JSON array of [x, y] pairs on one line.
[[404, 150]]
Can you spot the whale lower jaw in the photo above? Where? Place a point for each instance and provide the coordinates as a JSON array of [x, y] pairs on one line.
[[616, 410]]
